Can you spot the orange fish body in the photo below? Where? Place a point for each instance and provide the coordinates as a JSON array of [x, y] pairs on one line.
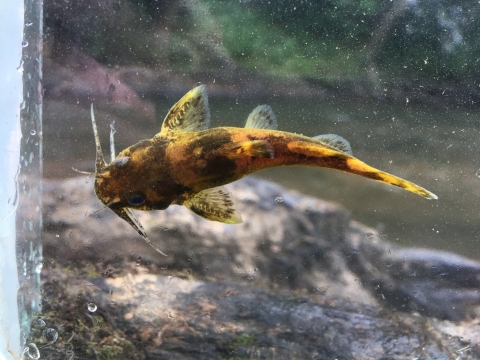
[[198, 169], [187, 163]]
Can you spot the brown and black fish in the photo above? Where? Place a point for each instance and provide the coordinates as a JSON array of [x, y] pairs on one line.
[[187, 163]]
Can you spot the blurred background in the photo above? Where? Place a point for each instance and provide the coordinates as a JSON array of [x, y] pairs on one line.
[[398, 79]]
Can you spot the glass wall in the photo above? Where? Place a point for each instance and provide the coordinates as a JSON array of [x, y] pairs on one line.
[[20, 183]]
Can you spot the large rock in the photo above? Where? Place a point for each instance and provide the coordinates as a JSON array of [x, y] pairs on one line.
[[172, 318], [332, 288]]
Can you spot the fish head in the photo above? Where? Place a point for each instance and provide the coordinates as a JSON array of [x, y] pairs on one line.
[[135, 179]]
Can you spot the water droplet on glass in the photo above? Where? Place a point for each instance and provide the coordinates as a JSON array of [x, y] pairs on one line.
[[50, 335], [20, 66], [29, 23], [32, 132], [70, 354], [91, 307], [57, 235], [24, 43], [478, 173], [279, 199], [31, 351], [40, 322]]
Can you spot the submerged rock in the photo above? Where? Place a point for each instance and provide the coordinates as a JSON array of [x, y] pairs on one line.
[[297, 279], [173, 318]]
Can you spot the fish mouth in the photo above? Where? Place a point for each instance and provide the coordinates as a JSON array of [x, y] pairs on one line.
[[111, 203], [107, 205]]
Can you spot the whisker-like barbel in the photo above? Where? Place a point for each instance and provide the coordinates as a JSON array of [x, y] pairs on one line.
[[100, 162], [83, 172]]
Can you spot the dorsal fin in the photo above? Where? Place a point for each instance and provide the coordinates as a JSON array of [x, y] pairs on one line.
[[335, 141], [214, 204], [262, 117], [190, 113]]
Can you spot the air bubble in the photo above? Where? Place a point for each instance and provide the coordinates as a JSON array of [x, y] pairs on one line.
[[40, 322], [91, 307], [279, 199], [29, 23], [478, 173], [32, 132], [31, 350], [50, 335], [24, 43]]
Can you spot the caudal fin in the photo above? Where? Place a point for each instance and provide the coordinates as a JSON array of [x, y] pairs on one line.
[[318, 155], [358, 167]]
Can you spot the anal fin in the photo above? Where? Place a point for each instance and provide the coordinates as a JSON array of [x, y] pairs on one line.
[[255, 148], [214, 204]]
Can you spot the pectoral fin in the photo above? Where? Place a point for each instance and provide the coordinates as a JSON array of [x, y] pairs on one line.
[[214, 204], [128, 215], [256, 148], [262, 117], [190, 113], [335, 141]]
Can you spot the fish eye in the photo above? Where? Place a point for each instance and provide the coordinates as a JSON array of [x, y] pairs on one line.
[[121, 161], [136, 199]]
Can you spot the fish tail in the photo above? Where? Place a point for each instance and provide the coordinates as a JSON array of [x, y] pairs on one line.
[[360, 168], [316, 155], [405, 184]]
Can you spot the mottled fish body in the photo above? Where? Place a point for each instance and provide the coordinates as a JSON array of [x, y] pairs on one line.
[[186, 163]]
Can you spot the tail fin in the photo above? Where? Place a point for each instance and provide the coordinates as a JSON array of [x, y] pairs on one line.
[[318, 155]]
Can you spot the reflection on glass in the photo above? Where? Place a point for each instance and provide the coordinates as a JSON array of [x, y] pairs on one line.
[[29, 216]]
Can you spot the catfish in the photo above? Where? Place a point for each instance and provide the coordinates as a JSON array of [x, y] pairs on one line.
[[187, 163]]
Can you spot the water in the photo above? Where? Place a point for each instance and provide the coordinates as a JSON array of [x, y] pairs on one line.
[[435, 149]]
